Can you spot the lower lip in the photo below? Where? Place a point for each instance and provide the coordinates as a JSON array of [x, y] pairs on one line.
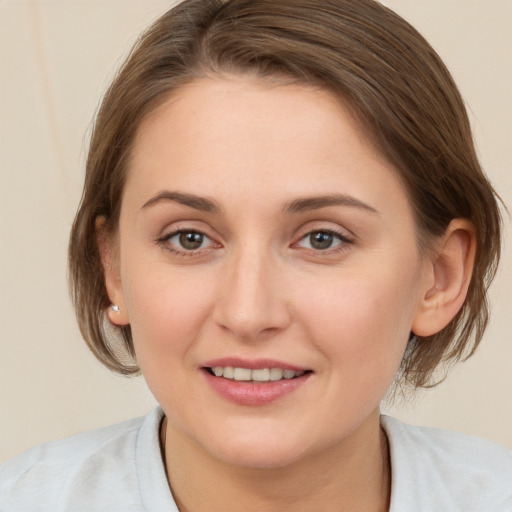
[[254, 393]]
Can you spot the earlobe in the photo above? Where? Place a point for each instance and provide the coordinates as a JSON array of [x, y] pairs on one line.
[[117, 316], [110, 261], [450, 272]]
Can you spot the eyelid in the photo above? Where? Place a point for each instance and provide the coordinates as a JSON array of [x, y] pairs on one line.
[[344, 240], [164, 241], [172, 234], [336, 234], [186, 225], [334, 228]]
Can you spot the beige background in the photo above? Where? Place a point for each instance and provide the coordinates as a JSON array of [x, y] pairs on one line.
[[56, 59]]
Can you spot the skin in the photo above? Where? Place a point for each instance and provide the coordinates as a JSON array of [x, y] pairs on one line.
[[258, 288]]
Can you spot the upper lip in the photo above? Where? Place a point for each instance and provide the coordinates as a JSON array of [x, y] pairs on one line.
[[252, 364]]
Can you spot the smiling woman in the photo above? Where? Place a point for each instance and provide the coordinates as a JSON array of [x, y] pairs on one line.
[[283, 215], [280, 275]]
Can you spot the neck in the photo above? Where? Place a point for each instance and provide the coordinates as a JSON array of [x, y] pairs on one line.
[[354, 476]]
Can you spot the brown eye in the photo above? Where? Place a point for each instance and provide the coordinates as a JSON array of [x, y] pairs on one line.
[[186, 241], [190, 240], [321, 240]]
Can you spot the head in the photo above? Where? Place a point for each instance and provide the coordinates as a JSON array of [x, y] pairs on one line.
[[384, 74]]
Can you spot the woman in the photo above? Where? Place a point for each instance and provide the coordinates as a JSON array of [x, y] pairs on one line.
[[283, 215]]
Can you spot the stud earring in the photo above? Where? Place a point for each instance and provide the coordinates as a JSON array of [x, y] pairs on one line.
[[115, 308]]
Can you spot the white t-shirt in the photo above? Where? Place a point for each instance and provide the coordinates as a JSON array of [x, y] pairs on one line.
[[120, 469]]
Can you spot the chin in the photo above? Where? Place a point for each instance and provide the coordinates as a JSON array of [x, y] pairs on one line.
[[268, 451], [257, 458]]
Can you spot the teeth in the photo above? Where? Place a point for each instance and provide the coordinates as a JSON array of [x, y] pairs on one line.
[[259, 375], [228, 372], [242, 374], [276, 374]]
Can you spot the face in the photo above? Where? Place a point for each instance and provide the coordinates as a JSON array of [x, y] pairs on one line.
[[262, 237]]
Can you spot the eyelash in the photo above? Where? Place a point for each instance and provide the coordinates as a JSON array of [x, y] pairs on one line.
[[344, 240], [340, 247], [164, 242]]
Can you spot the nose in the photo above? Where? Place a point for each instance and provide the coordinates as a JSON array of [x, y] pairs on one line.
[[252, 300]]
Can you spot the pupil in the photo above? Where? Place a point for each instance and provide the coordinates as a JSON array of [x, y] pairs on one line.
[[191, 240], [321, 240]]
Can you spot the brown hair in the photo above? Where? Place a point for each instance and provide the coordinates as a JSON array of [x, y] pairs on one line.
[[362, 52]]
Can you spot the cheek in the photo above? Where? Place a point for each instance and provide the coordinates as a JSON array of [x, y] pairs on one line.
[[167, 315], [363, 322], [167, 311]]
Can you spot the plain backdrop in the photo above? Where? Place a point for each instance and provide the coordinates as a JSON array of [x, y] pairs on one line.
[[56, 59]]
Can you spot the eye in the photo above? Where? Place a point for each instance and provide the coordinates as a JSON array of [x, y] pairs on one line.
[[187, 241], [322, 240]]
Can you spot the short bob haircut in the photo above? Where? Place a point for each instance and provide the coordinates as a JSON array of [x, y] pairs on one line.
[[363, 53]]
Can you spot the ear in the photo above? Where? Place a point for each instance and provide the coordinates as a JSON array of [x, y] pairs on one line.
[[109, 253], [448, 275]]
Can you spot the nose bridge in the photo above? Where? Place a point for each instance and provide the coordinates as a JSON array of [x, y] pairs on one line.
[[252, 300]]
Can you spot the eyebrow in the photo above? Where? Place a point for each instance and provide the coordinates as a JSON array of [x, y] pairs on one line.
[[314, 203], [198, 203], [300, 205]]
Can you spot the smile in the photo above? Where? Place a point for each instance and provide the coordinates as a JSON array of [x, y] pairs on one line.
[[254, 375]]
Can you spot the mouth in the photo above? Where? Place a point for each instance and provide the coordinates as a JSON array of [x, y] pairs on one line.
[[254, 382], [260, 375]]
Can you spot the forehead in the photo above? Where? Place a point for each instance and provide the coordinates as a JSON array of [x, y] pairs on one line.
[[215, 136]]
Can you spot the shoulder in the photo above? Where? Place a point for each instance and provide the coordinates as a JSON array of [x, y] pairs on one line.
[[447, 471], [96, 463]]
